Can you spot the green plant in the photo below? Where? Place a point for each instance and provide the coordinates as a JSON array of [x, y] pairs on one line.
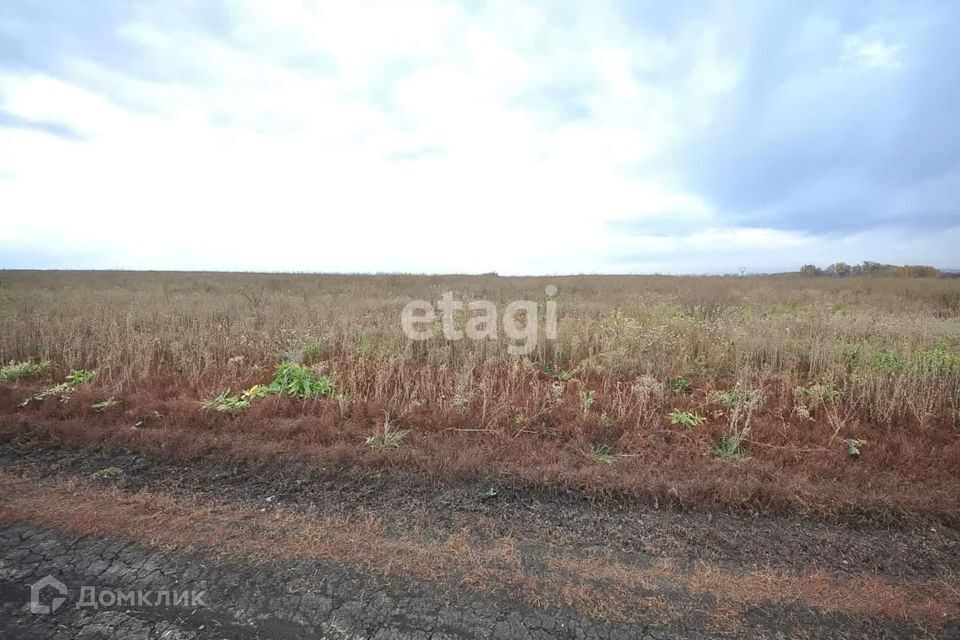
[[685, 418], [602, 453], [105, 404], [78, 377], [887, 362], [19, 370], [226, 403], [256, 391], [109, 473], [64, 389], [854, 445], [936, 361], [730, 446], [298, 381], [679, 385], [290, 379], [385, 437]]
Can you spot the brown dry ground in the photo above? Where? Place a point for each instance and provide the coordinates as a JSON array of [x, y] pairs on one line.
[[604, 560], [800, 468]]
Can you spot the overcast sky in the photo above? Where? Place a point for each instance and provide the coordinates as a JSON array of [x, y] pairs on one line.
[[675, 137]]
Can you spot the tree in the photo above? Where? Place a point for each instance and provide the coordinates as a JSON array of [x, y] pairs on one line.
[[870, 268], [916, 271], [838, 269]]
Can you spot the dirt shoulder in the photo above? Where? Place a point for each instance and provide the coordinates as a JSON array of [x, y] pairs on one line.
[[544, 564], [571, 519]]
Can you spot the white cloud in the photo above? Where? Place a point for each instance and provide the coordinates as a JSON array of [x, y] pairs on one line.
[[871, 53], [418, 136]]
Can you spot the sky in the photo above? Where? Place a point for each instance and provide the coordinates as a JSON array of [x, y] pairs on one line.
[[521, 138]]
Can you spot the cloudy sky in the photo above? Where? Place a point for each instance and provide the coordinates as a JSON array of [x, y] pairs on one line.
[[677, 137]]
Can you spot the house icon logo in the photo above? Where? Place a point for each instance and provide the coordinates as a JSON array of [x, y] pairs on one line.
[[36, 590]]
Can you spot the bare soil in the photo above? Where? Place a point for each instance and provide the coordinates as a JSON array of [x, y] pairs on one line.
[[296, 550]]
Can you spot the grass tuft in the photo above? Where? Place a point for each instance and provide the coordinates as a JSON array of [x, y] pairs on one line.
[[385, 437], [602, 453], [685, 418], [730, 446], [680, 385], [103, 405]]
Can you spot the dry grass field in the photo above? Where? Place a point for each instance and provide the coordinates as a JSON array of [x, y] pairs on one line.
[[691, 457], [833, 396], [352, 427]]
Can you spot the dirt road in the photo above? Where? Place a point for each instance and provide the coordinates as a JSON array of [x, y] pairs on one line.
[[146, 548], [292, 600]]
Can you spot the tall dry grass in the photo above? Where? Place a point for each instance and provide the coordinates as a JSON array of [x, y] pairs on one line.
[[820, 362], [871, 338]]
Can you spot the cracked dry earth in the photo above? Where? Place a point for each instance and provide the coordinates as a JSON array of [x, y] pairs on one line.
[[288, 551]]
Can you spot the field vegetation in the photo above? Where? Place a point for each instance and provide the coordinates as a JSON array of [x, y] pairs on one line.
[[838, 397]]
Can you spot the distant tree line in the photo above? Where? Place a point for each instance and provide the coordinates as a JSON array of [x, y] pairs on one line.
[[842, 269]]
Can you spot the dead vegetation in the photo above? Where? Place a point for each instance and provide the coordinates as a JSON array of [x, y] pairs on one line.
[[769, 381]]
